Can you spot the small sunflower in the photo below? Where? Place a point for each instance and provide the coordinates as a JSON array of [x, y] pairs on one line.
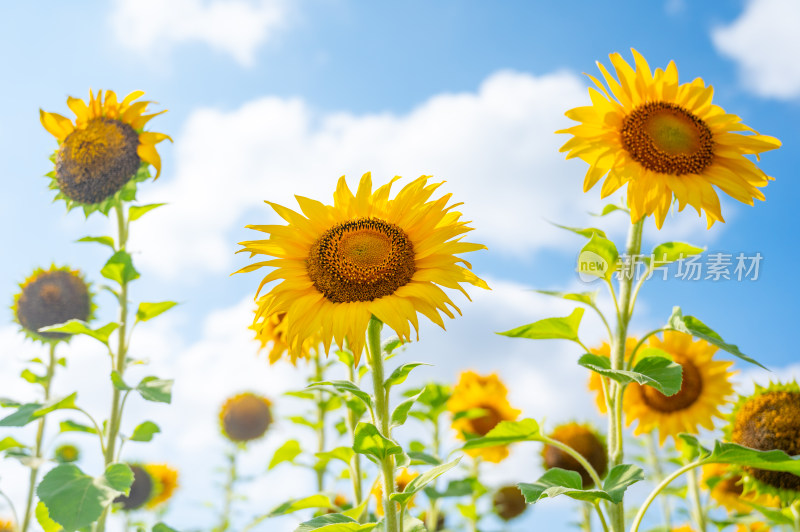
[[271, 333], [165, 480], [595, 380], [726, 487], [364, 255], [664, 140], [105, 152], [753, 527], [487, 398], [67, 453], [684, 528], [508, 502], [706, 386], [7, 526], [401, 481], [245, 417], [141, 490], [766, 420], [583, 439], [50, 297]]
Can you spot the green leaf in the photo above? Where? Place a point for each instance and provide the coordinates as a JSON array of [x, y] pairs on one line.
[[33, 411], [334, 523], [608, 209], [368, 440], [732, 453], [161, 527], [10, 443], [285, 453], [565, 328], [104, 240], [698, 329], [74, 426], [420, 457], [75, 500], [118, 382], [31, 377], [598, 258], [673, 251], [455, 488], [400, 374], [400, 414], [423, 480], [391, 344], [148, 311], [619, 479], [346, 387], [145, 431], [345, 454], [81, 327], [507, 432], [120, 268], [557, 481], [587, 298], [314, 501], [411, 524], [43, 517], [587, 232], [659, 372], [136, 211], [156, 390]]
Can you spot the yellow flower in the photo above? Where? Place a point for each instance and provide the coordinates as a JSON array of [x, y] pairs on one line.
[[753, 527], [664, 139], [104, 151], [7, 526], [140, 492], [479, 404], [766, 420], [401, 481], [726, 486], [245, 417], [595, 380], [271, 331], [364, 255], [67, 453], [684, 528], [166, 482], [705, 388], [50, 297], [583, 439]]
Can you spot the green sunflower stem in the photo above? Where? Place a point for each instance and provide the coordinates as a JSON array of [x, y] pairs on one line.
[[319, 375], [637, 522], [586, 514], [230, 492], [476, 471], [699, 515], [625, 310], [577, 456], [355, 462], [382, 414], [796, 515], [432, 519], [658, 476], [48, 379]]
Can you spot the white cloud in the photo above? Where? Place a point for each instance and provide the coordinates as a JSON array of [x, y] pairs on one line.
[[235, 27], [764, 41]]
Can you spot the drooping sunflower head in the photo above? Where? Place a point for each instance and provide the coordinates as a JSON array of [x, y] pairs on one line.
[[401, 481], [104, 152], [245, 417], [595, 380], [67, 453], [583, 439], [508, 503], [766, 420], [165, 482], [141, 490], [666, 141], [271, 333], [367, 254], [479, 403], [706, 387], [49, 297], [726, 486]]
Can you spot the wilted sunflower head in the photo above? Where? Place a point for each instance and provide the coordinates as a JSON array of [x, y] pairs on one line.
[[766, 420], [583, 439], [245, 417], [508, 502], [400, 482], [104, 152], [165, 482], [366, 255], [50, 297], [7, 526], [67, 453], [141, 490], [665, 141], [479, 403], [705, 388], [271, 333]]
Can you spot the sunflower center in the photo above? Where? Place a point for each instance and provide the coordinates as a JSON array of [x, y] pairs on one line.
[[691, 388], [53, 297], [96, 161], [771, 421], [483, 424], [668, 139], [586, 443], [361, 260], [732, 485], [246, 418], [50, 293]]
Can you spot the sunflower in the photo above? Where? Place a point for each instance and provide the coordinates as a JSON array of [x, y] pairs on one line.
[[753, 527], [705, 387], [245, 417], [508, 502], [401, 481], [596, 381], [105, 152], [140, 492], [67, 453], [479, 404], [583, 439], [684, 528], [165, 481], [664, 139], [271, 331], [7, 526], [726, 487], [766, 420], [50, 297], [366, 255]]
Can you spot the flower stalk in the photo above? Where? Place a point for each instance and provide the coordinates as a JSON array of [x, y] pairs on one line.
[[319, 376], [355, 461]]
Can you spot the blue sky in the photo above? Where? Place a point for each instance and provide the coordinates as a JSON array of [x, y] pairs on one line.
[[268, 98]]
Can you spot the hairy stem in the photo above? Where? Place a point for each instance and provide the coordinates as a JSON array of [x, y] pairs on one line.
[[319, 376], [355, 462], [697, 506], [658, 475], [664, 483]]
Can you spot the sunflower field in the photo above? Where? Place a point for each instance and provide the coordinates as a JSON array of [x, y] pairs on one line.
[[341, 288]]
